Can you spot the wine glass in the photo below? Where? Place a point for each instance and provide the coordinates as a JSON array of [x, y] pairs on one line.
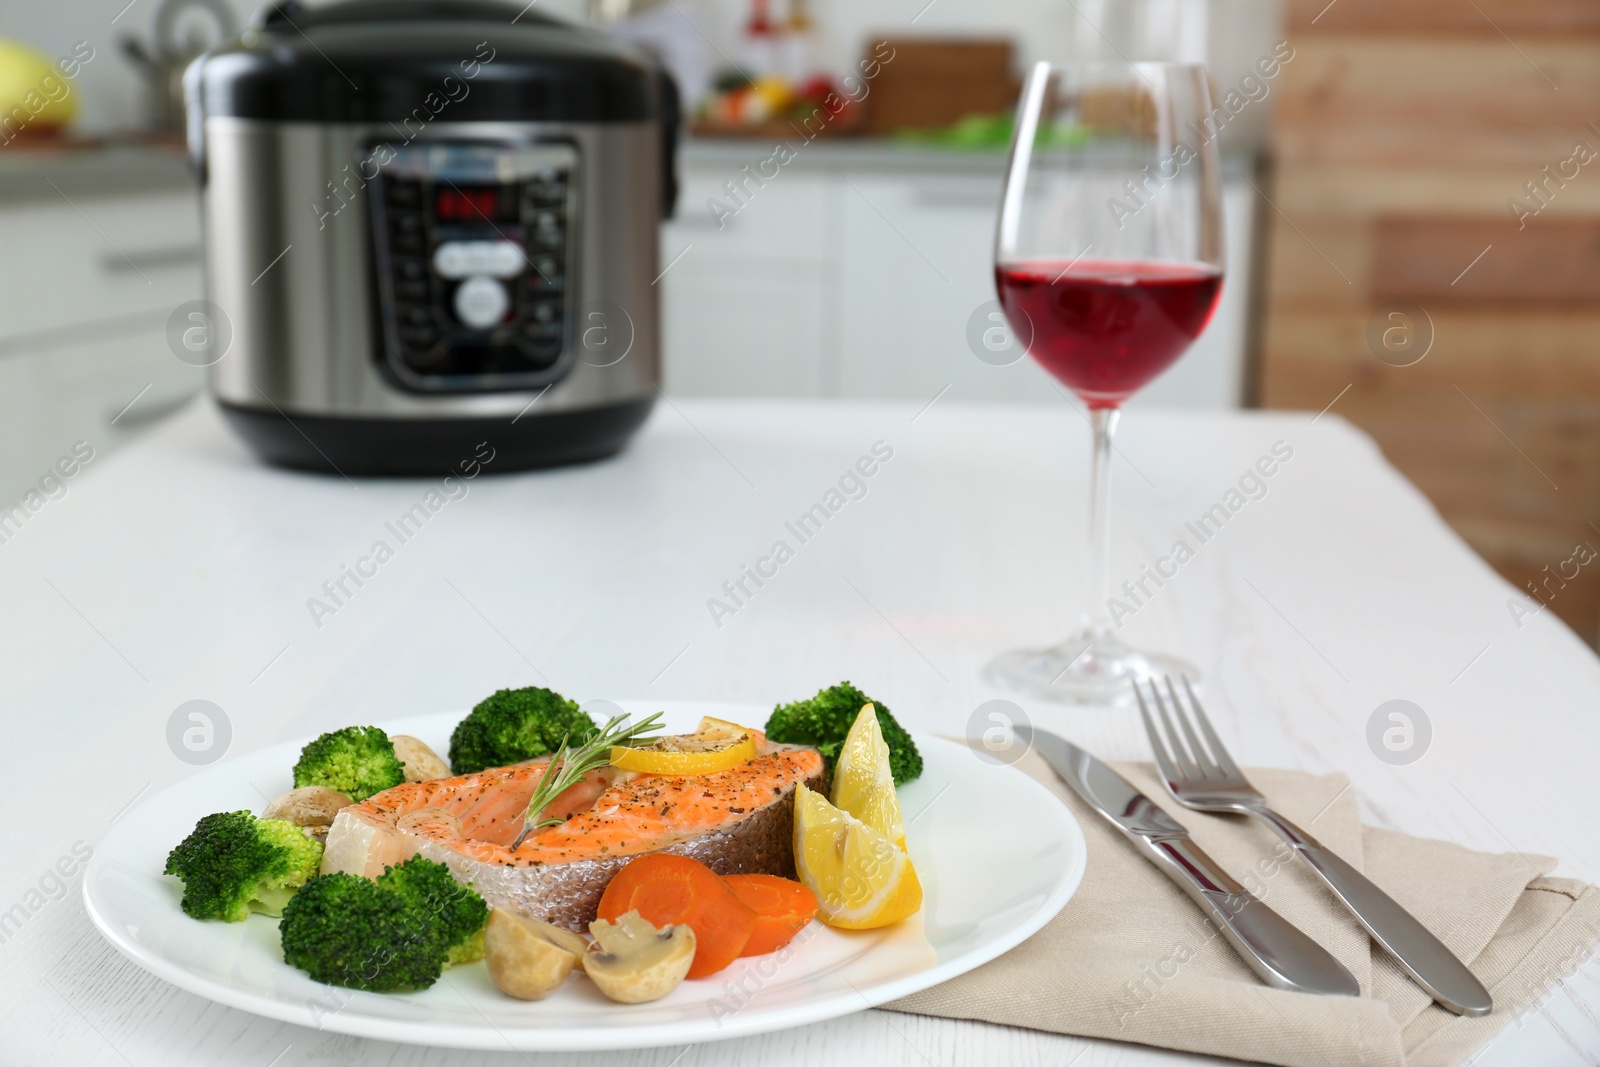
[[1108, 262]]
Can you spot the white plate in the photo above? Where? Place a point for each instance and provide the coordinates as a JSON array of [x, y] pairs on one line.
[[997, 854]]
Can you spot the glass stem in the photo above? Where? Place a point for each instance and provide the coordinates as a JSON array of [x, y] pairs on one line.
[[1104, 421]]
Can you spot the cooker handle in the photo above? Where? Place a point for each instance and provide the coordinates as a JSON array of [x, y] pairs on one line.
[[671, 127], [194, 117]]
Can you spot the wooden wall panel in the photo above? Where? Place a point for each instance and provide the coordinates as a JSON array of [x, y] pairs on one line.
[[1551, 356], [1481, 18], [1461, 260], [1471, 84], [1432, 102], [1402, 132]]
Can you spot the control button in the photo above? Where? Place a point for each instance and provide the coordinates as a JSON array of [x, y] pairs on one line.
[[416, 316], [545, 311], [547, 187], [450, 259], [505, 259], [412, 290], [460, 259], [481, 302], [404, 193], [406, 222], [418, 336], [545, 276], [547, 230], [541, 352], [408, 243], [412, 270]]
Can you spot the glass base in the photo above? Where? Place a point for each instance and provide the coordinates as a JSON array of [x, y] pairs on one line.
[[1089, 668]]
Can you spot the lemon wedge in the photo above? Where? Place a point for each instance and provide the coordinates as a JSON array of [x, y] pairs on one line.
[[716, 746], [863, 784], [862, 879]]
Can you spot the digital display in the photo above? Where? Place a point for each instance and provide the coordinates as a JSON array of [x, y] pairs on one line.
[[467, 203]]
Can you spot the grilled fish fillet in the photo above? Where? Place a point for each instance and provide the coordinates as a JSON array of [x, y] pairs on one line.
[[738, 821]]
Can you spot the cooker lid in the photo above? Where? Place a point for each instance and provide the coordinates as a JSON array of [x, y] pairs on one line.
[[424, 60]]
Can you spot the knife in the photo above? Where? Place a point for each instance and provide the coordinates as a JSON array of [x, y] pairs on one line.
[[1274, 948]]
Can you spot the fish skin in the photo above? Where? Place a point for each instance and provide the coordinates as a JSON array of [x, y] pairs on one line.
[[558, 875]]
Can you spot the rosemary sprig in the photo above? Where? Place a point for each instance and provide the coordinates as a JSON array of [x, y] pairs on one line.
[[574, 763]]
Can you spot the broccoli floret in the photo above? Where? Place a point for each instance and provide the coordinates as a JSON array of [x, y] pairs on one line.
[[234, 863], [346, 930], [458, 913], [823, 721], [394, 934], [515, 725], [358, 761]]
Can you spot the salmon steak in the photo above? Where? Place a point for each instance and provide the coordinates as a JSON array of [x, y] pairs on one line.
[[736, 821]]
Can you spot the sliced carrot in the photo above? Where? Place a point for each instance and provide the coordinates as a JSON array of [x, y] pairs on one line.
[[667, 889], [782, 907]]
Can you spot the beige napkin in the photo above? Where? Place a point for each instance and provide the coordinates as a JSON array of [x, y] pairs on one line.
[[1130, 958]]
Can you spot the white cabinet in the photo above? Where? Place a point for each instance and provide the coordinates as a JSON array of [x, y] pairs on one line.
[[838, 277], [917, 262], [86, 288], [745, 298], [750, 329]]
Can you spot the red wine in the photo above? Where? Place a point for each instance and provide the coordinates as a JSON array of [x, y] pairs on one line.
[[1105, 328]]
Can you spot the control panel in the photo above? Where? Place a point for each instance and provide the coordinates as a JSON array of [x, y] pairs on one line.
[[474, 252]]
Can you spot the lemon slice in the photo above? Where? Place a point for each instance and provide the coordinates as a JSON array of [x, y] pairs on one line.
[[861, 878], [716, 746], [863, 784]]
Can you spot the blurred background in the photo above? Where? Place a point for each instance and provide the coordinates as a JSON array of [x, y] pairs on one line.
[[1414, 232]]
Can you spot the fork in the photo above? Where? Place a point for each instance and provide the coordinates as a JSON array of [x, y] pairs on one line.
[[1205, 778]]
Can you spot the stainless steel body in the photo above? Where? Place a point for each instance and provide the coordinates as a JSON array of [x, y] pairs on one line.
[[290, 264], [1213, 782], [1275, 949]]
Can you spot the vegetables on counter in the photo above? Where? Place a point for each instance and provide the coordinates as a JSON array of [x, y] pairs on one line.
[[824, 720], [392, 934], [667, 889], [716, 746], [233, 863], [513, 725], [358, 761]]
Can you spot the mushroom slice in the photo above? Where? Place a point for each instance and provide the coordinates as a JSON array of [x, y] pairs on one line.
[[309, 806], [633, 962], [529, 959], [422, 763]]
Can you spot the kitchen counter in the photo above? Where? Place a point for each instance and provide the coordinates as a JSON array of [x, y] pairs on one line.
[[28, 172], [874, 154], [180, 569]]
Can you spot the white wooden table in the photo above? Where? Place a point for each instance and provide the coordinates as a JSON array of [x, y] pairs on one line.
[[179, 569]]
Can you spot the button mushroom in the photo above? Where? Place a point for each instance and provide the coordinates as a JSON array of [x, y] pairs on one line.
[[529, 959], [633, 962], [311, 808], [422, 763]]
